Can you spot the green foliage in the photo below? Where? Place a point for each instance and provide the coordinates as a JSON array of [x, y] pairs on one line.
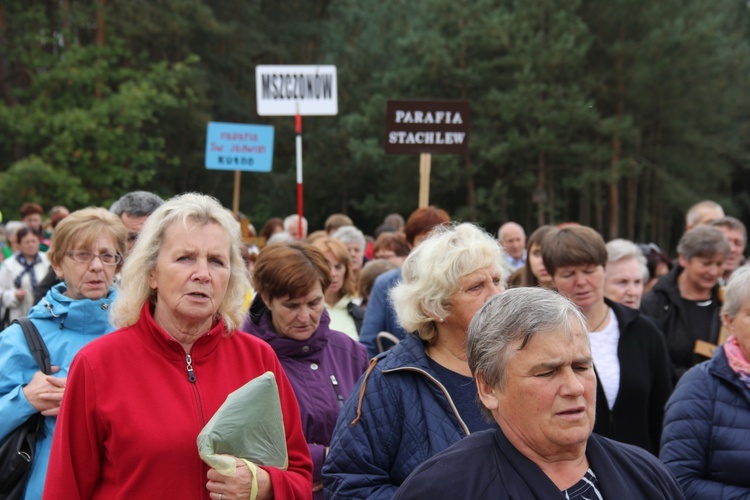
[[31, 179], [573, 102], [90, 111]]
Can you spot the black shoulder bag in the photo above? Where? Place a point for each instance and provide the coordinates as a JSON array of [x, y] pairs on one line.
[[18, 448]]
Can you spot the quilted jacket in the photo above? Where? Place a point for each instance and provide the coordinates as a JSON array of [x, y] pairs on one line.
[[706, 437], [380, 316], [397, 416]]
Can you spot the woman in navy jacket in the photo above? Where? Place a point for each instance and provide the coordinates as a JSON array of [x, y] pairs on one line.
[[419, 397], [706, 438]]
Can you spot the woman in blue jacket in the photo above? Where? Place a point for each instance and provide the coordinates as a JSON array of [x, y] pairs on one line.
[[419, 397], [706, 438], [86, 253]]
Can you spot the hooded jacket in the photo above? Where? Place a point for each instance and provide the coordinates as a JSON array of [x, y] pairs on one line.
[[66, 325], [398, 416], [706, 439], [312, 366], [664, 304]]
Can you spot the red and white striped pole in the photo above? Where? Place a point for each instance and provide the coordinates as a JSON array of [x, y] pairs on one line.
[[298, 132]]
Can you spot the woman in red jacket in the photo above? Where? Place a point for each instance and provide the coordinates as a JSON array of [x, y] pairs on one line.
[[136, 400]]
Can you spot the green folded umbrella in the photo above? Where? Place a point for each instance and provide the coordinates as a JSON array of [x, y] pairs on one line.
[[249, 425]]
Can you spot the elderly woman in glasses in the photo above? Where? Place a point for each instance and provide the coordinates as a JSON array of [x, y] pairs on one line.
[[86, 253]]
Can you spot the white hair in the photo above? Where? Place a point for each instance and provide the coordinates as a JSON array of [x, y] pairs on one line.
[[432, 274], [737, 292], [620, 249], [350, 234], [291, 224]]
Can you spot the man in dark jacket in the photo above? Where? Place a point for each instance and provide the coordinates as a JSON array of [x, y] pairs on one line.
[[529, 352], [685, 303]]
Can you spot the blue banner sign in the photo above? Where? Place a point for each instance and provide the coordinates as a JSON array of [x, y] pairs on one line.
[[236, 146]]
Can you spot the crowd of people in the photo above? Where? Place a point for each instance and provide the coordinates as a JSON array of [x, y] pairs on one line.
[[429, 360]]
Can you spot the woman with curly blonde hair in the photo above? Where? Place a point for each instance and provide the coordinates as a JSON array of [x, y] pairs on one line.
[[419, 398]]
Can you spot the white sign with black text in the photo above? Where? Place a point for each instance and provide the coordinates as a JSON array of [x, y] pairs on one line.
[[284, 90]]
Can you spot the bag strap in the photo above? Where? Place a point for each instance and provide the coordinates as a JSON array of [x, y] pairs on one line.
[[6, 318], [36, 344]]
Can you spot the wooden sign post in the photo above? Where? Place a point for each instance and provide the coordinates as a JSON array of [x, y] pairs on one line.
[[424, 179]]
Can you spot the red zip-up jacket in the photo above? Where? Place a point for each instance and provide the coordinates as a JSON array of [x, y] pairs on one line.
[[133, 409]]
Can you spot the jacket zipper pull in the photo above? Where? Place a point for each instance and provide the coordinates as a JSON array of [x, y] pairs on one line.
[[336, 389], [190, 372]]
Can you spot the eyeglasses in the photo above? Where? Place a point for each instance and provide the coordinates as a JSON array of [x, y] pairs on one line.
[[108, 259]]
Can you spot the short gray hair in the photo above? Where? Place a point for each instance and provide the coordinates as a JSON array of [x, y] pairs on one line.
[[733, 223], [510, 318], [432, 272], [350, 234], [737, 292], [619, 249], [136, 204], [182, 209], [703, 241]]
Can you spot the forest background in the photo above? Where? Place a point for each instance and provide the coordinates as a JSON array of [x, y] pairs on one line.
[[618, 114]]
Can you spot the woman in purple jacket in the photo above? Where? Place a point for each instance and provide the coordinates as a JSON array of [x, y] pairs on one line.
[[322, 364]]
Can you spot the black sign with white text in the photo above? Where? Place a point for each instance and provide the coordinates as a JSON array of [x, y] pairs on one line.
[[420, 126]]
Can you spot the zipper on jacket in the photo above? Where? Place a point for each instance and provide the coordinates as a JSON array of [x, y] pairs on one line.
[[196, 393], [190, 372], [337, 391]]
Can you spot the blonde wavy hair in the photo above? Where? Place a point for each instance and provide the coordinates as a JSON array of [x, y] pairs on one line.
[[184, 209], [432, 273]]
